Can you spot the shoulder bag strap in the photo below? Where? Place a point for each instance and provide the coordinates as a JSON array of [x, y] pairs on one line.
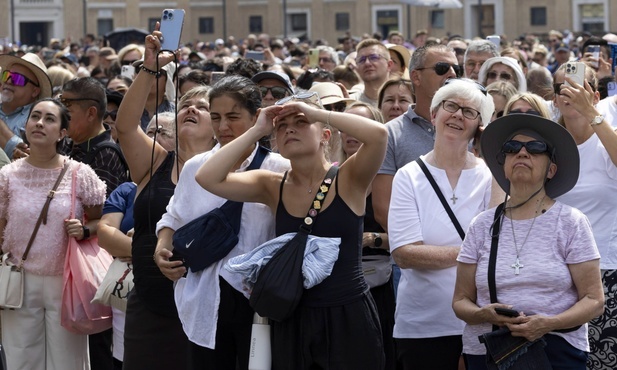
[[320, 197], [492, 261], [445, 204], [43, 216], [259, 158]]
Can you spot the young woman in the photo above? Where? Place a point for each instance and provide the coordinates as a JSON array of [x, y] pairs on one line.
[[32, 336], [336, 324]]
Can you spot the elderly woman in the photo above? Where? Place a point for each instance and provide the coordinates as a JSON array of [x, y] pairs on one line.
[[593, 194], [424, 240], [546, 264], [31, 335], [504, 69]]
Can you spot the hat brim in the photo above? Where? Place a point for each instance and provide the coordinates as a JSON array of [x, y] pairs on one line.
[[41, 75], [566, 152]]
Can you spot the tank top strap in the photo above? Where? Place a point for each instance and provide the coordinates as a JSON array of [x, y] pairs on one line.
[[281, 187]]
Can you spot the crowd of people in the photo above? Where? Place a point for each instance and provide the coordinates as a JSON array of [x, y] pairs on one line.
[[464, 179]]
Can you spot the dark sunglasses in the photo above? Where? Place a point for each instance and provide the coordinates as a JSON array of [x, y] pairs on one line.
[[532, 147], [557, 88], [111, 114], [17, 78], [477, 85], [67, 102], [276, 91], [127, 62], [441, 68], [503, 76], [530, 111], [337, 107]]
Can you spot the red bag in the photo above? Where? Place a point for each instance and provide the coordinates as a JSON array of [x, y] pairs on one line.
[[84, 269]]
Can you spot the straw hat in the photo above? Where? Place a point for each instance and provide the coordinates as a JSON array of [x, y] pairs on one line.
[[34, 64]]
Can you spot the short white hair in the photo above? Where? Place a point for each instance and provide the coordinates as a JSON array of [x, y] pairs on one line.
[[470, 91]]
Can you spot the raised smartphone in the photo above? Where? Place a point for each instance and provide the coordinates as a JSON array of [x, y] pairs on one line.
[[255, 55], [575, 71], [128, 71], [313, 58], [172, 21], [496, 40], [595, 53], [611, 88], [216, 77], [507, 312]]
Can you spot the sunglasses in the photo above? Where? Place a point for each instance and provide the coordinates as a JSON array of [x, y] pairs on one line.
[[532, 147], [127, 62], [452, 107], [502, 76], [307, 97], [557, 88], [67, 102], [441, 68], [17, 78], [373, 58], [336, 107], [276, 91], [478, 85], [529, 111], [111, 114]]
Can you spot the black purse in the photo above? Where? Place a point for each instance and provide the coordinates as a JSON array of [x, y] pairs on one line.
[[278, 288], [210, 237]]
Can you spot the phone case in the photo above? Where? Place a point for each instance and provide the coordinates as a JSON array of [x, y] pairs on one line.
[[576, 71], [172, 21], [313, 57], [496, 40], [128, 71], [506, 312]]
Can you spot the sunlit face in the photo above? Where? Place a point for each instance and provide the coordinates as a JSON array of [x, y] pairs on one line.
[[20, 95], [455, 125], [521, 106], [427, 81], [396, 101], [373, 70], [194, 119], [164, 132], [118, 85], [501, 72], [43, 127], [229, 119], [397, 65], [296, 135], [474, 62], [524, 168]]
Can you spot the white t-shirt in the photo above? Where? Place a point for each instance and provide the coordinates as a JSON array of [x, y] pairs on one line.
[[608, 108], [595, 194], [544, 286], [198, 294], [424, 297]]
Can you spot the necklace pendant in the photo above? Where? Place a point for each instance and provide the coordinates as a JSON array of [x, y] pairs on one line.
[[454, 198], [517, 266], [310, 191]]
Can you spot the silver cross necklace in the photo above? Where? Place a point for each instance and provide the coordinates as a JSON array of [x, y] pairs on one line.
[[517, 265]]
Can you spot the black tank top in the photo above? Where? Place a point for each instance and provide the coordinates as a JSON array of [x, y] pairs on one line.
[[346, 283], [150, 284]]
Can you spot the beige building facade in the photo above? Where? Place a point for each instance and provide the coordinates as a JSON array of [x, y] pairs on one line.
[[37, 21]]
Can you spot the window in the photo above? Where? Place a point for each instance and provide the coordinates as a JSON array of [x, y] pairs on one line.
[[152, 22], [298, 22], [104, 26], [438, 19], [592, 17], [206, 25], [342, 21], [538, 16], [255, 24]]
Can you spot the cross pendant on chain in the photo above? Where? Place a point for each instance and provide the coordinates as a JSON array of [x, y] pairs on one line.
[[454, 199], [517, 266]]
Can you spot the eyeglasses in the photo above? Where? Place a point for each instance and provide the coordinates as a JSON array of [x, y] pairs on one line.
[[441, 68], [452, 107], [326, 60], [127, 62], [529, 111], [373, 58], [17, 78], [557, 88], [532, 147], [337, 107], [478, 85], [502, 76], [472, 64], [67, 102], [112, 114], [276, 91], [307, 97]]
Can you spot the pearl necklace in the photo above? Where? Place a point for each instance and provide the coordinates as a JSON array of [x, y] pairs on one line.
[[517, 265]]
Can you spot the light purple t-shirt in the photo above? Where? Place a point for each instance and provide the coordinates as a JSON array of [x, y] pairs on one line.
[[559, 237]]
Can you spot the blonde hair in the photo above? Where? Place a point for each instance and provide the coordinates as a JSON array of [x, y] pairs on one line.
[[535, 101]]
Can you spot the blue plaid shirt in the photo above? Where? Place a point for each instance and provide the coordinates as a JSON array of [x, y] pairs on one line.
[[16, 122]]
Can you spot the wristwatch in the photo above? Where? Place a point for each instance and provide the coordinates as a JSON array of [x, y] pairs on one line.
[[597, 120], [378, 240], [86, 230]]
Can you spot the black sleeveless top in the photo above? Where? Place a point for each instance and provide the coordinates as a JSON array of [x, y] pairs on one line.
[[346, 283], [151, 285]]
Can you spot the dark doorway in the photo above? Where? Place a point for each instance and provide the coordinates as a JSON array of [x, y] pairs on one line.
[[34, 33]]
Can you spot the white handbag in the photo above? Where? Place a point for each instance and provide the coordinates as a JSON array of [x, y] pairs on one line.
[[116, 286], [11, 284]]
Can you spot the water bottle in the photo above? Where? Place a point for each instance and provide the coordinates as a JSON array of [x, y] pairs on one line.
[[260, 356]]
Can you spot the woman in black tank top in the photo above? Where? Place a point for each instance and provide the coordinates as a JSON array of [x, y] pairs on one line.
[[153, 337], [336, 325]]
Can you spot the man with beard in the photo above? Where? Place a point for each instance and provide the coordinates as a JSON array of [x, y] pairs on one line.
[[23, 81], [373, 66]]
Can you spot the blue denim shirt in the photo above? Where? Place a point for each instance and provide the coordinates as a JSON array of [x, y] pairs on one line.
[[15, 121]]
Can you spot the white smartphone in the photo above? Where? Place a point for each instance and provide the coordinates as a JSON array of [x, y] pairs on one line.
[[128, 71], [313, 58], [496, 40], [172, 21], [575, 71]]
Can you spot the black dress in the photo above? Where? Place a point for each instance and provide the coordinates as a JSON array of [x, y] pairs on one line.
[[336, 325], [153, 336]]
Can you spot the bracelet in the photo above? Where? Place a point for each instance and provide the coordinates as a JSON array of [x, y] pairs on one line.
[[328, 119], [153, 73]]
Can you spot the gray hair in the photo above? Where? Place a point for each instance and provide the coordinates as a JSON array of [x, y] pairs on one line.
[[330, 50], [418, 58], [481, 46], [469, 90]]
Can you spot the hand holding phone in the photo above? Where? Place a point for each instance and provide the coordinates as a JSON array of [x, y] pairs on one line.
[[575, 71], [507, 312], [172, 21]]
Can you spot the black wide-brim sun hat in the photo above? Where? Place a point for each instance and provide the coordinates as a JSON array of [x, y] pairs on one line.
[[565, 150]]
